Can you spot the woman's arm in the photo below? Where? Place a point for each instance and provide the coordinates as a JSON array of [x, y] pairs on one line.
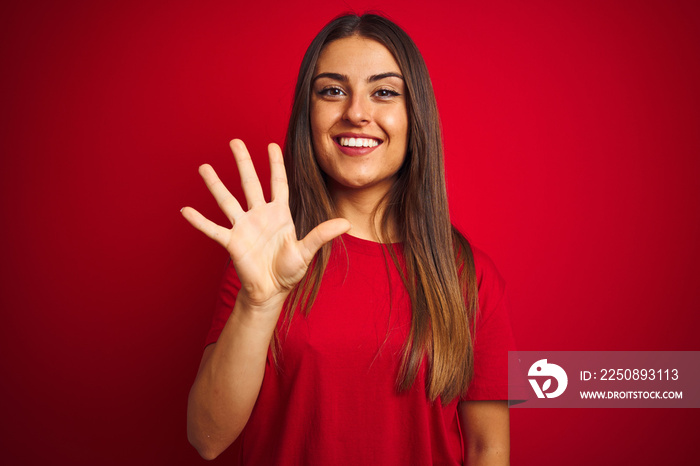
[[486, 431], [229, 379], [269, 261]]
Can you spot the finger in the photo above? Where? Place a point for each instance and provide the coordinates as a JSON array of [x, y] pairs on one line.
[[278, 175], [322, 234], [228, 204], [206, 226], [249, 179]]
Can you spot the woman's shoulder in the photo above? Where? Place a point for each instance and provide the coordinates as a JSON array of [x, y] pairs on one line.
[[490, 282], [484, 265]]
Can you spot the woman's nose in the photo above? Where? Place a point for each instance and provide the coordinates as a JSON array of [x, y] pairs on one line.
[[358, 111]]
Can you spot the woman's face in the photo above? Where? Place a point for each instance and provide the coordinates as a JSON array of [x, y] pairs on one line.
[[359, 120]]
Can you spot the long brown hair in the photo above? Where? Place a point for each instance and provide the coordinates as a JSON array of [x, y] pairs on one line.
[[438, 259]]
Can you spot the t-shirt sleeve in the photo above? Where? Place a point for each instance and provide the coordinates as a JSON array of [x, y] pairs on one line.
[[493, 336], [230, 286]]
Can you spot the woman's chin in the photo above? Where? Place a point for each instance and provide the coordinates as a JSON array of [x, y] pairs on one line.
[[360, 183]]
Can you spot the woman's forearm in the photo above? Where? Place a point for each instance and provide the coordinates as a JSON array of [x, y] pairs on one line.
[[229, 379]]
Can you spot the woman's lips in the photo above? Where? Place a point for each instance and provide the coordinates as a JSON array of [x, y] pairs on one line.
[[355, 145]]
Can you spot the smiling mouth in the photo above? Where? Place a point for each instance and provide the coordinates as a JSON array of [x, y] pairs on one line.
[[357, 142]]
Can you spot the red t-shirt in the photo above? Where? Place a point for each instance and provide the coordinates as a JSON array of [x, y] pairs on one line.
[[333, 399]]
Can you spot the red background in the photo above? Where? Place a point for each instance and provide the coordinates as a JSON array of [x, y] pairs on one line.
[[572, 133]]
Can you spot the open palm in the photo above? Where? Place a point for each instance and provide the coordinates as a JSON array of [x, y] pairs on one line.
[[262, 241]]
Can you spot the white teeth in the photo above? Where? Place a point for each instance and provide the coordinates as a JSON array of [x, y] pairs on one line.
[[358, 142]]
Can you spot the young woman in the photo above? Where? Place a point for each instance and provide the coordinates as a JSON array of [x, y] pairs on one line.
[[379, 337]]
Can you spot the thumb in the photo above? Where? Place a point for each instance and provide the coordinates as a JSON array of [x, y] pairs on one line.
[[322, 234]]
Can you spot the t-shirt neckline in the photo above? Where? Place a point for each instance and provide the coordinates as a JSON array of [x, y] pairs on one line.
[[366, 246]]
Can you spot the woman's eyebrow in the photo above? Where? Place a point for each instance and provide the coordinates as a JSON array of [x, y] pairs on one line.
[[343, 79], [334, 76], [378, 77]]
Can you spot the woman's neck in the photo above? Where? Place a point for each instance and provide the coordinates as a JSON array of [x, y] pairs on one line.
[[358, 207]]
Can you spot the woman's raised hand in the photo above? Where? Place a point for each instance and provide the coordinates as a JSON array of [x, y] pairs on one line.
[[262, 242]]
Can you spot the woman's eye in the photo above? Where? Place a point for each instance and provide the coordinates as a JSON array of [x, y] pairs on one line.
[[331, 92], [386, 93]]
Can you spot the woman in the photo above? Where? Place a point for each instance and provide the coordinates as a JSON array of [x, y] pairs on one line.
[[371, 339]]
